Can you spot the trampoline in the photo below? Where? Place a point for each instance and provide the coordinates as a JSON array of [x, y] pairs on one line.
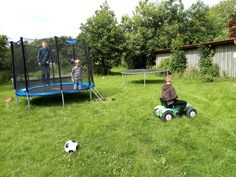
[[141, 71], [53, 89], [27, 73]]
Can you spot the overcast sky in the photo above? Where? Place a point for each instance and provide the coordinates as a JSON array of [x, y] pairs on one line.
[[48, 18]]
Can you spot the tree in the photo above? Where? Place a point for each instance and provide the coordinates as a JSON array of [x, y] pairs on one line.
[[152, 27], [5, 59], [105, 39], [206, 23], [221, 14], [199, 27], [178, 57]]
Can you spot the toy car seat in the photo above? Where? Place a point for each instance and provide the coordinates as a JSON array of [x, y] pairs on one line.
[[164, 103]]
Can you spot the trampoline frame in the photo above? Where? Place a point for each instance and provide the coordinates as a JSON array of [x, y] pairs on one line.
[[141, 71], [25, 91], [22, 92]]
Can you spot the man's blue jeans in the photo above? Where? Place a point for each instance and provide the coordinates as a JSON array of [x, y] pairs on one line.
[[43, 72], [78, 84]]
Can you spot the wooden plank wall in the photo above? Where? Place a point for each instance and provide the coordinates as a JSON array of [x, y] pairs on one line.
[[223, 57]]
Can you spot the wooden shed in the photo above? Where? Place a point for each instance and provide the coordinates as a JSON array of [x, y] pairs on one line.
[[224, 55]]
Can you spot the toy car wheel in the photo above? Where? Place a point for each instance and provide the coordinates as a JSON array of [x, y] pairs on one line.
[[154, 112], [167, 116], [191, 112]]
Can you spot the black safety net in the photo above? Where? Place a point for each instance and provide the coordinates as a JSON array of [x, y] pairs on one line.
[[18, 66], [28, 73]]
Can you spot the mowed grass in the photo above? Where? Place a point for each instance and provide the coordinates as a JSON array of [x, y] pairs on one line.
[[121, 137]]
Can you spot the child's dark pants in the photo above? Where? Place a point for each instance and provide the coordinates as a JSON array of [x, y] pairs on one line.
[[182, 104]]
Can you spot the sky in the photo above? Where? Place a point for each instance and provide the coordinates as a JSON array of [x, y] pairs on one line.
[[47, 18]]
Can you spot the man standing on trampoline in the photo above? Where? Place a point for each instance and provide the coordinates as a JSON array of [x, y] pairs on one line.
[[44, 58]]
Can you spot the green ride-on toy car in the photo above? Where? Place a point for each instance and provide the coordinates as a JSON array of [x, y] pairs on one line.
[[167, 112]]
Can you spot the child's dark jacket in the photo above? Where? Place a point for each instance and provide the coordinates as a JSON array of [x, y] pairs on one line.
[[168, 93]]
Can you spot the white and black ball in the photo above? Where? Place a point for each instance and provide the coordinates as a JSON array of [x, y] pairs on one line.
[[71, 146]]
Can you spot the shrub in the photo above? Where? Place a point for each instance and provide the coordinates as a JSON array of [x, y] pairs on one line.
[[207, 78], [178, 57], [214, 70], [5, 76], [194, 73], [178, 61], [225, 75], [165, 63]]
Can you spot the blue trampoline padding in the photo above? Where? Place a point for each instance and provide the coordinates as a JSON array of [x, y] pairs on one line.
[[53, 89]]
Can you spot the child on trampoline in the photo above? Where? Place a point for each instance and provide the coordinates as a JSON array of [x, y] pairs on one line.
[[169, 95], [44, 58], [76, 75]]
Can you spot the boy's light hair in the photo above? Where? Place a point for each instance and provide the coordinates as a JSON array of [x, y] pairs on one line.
[[169, 78], [77, 61], [44, 42]]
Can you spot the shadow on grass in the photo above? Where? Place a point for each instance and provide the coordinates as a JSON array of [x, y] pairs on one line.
[[148, 81], [115, 73], [56, 100]]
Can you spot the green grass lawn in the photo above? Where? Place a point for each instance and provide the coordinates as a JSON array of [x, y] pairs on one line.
[[121, 137]]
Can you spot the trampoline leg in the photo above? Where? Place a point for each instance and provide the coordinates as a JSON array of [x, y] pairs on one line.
[[62, 96], [16, 97], [28, 100], [90, 94], [123, 79]]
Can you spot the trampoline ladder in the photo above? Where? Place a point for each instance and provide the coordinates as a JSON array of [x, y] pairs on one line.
[[100, 97]]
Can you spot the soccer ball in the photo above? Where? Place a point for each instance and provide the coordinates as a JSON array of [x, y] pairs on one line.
[[71, 146]]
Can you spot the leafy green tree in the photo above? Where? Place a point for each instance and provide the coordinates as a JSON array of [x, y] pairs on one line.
[[5, 59], [209, 23], [225, 9], [221, 14], [152, 27], [172, 22], [178, 57], [199, 27], [105, 39]]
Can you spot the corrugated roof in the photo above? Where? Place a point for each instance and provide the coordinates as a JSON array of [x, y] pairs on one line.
[[195, 45]]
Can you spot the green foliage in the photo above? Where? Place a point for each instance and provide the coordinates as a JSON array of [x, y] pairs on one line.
[[205, 58], [121, 137], [207, 78], [194, 73], [152, 26], [165, 63], [207, 68], [220, 15], [225, 75], [205, 61], [214, 70], [178, 57], [105, 39], [5, 55], [5, 76], [198, 26]]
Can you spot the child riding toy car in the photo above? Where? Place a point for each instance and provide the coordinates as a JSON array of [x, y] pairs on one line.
[[168, 112]]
